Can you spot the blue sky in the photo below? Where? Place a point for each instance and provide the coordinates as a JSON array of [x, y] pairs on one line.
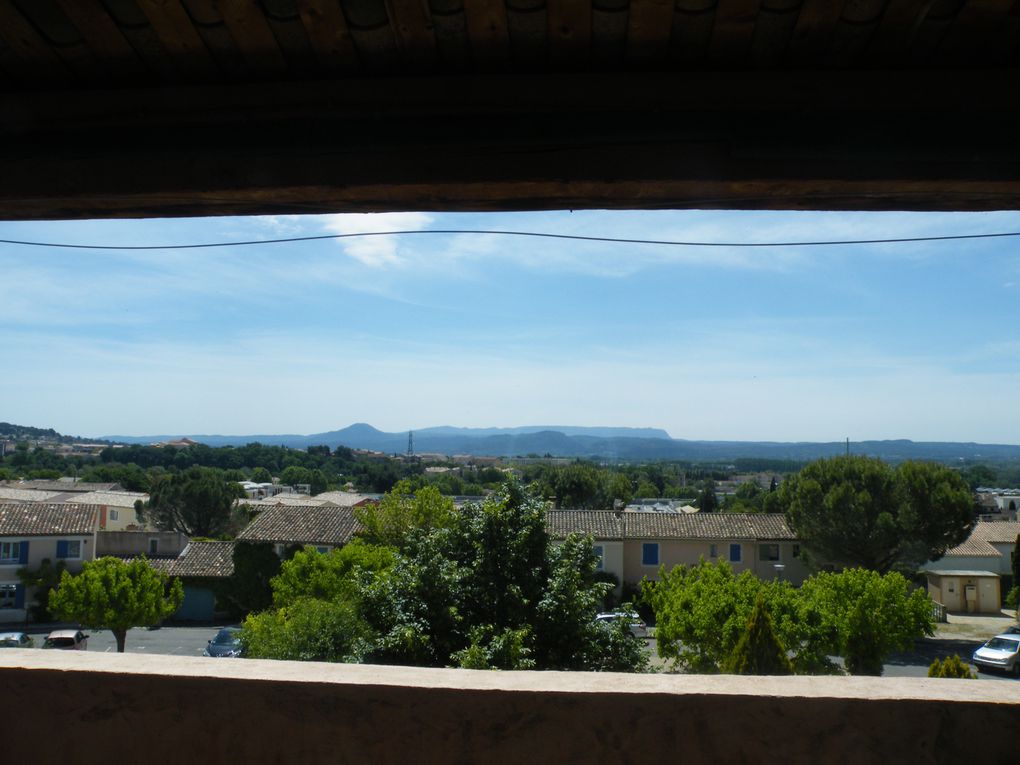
[[916, 341]]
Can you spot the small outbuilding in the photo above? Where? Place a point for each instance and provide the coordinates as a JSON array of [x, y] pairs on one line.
[[973, 592]]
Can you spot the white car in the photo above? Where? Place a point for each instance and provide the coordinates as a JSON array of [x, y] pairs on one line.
[[1001, 652], [68, 640], [634, 622]]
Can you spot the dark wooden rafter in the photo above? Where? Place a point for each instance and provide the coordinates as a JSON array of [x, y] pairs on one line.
[[733, 31], [179, 37], [488, 33], [415, 37], [328, 33], [253, 36], [36, 58], [812, 35], [570, 33], [100, 32], [649, 28]]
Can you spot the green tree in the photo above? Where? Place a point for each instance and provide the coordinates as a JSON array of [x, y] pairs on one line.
[[249, 589], [261, 475], [758, 651], [114, 595], [707, 501], [44, 580], [856, 511], [197, 502], [863, 616], [402, 512], [702, 612], [309, 629], [481, 588]]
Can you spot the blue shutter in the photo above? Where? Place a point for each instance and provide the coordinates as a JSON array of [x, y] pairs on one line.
[[23, 558], [62, 548], [19, 593]]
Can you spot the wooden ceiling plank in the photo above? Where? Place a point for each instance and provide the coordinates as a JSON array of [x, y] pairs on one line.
[[488, 32], [100, 32], [896, 30], [569, 30], [252, 35], [328, 33], [813, 33], [28, 45], [649, 26], [179, 37], [412, 26]]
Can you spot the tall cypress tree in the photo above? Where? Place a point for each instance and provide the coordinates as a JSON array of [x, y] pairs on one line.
[[759, 652]]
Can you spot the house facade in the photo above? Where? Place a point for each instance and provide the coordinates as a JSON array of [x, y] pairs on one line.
[[636, 545], [31, 532]]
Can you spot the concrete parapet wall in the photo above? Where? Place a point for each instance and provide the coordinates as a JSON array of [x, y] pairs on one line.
[[103, 708]]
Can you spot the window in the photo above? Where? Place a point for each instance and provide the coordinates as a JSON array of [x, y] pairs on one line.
[[10, 552], [650, 554], [322, 550], [69, 549], [735, 554], [713, 551], [8, 593], [153, 545], [599, 551], [796, 551], [114, 515], [768, 552]]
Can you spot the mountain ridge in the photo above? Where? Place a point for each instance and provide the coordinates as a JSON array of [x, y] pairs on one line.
[[585, 442]]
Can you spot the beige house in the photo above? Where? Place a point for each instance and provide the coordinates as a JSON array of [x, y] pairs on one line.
[[325, 527], [635, 545], [988, 548], [31, 532]]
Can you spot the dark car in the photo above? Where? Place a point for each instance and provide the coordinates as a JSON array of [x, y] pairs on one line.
[[226, 644]]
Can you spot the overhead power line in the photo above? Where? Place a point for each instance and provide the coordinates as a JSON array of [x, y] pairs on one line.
[[484, 232]]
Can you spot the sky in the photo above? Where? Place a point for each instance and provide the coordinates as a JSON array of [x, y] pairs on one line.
[[918, 340]]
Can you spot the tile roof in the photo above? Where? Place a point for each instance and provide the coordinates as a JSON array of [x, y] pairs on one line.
[[345, 498], [295, 524], [606, 525], [206, 559], [40, 519], [110, 498], [69, 485], [26, 495], [979, 543]]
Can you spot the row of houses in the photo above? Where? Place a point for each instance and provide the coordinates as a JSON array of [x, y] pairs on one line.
[[630, 545]]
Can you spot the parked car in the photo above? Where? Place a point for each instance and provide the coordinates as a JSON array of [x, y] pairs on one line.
[[15, 640], [634, 622], [69, 640], [1001, 652], [226, 644], [1014, 630]]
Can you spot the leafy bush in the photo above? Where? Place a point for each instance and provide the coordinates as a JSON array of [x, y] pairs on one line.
[[951, 666]]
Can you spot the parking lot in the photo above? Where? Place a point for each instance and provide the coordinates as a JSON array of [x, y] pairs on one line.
[[170, 641]]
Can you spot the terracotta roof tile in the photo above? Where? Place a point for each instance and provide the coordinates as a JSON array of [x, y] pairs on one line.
[[637, 525], [207, 559], [41, 519], [979, 543], [295, 524]]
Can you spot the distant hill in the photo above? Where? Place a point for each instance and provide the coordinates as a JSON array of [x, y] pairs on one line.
[[601, 443]]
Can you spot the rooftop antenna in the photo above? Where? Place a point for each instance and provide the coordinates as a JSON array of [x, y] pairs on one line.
[[410, 443]]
